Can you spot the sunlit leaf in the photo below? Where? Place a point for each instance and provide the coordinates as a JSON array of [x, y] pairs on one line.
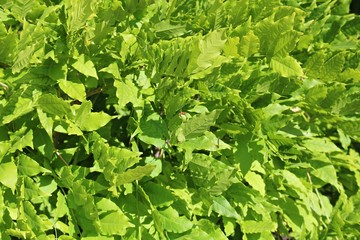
[[134, 174], [286, 66], [170, 220], [85, 66], [8, 176]]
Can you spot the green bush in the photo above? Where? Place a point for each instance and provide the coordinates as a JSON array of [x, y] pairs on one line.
[[194, 119]]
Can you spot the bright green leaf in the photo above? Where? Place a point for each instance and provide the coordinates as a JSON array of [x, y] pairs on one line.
[[222, 206], [75, 90], [8, 176], [249, 45], [169, 219], [134, 174], [258, 226], [286, 66], [85, 66], [29, 167], [53, 105]]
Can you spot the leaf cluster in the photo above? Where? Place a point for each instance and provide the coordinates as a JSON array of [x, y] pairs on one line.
[[123, 119]]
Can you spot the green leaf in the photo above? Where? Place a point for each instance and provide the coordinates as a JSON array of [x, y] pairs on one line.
[[208, 52], [222, 206], [320, 145], [112, 220], [61, 206], [85, 66], [256, 181], [46, 122], [285, 44], [113, 223], [90, 121], [126, 92], [36, 224], [159, 195], [8, 176], [21, 107], [199, 124], [74, 89], [205, 229], [153, 130], [6, 53], [207, 142], [134, 174], [94, 121], [258, 226], [29, 167], [249, 45], [324, 170], [231, 47], [166, 29], [22, 141], [169, 219], [78, 12], [113, 69], [53, 105], [286, 66]]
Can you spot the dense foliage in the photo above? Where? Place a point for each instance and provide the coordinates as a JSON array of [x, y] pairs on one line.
[[156, 119]]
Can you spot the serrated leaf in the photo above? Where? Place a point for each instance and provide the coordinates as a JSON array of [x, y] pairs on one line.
[[207, 54], [8, 176], [286, 66], [85, 66], [231, 47], [249, 44], [36, 224], [205, 230], [46, 122], [53, 105], [207, 142], [6, 53], [285, 44], [25, 140], [113, 223], [23, 59], [256, 181], [61, 206], [169, 219], [199, 124], [32, 190]]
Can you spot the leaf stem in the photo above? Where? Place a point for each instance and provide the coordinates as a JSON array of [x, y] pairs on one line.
[[61, 158], [4, 86]]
